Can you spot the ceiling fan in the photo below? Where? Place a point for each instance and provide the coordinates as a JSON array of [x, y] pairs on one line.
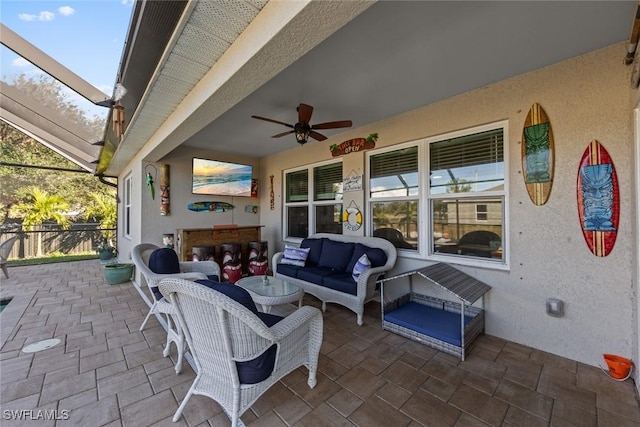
[[303, 129]]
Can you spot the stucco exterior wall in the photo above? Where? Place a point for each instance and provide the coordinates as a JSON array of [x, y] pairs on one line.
[[585, 98]]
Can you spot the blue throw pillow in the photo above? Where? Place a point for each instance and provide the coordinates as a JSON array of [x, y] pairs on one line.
[[336, 255], [295, 256], [362, 265], [377, 257], [164, 261], [315, 246]]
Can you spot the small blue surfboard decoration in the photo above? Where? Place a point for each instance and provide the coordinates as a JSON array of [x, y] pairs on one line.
[[210, 206]]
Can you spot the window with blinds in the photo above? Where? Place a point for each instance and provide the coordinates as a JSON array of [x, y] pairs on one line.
[[327, 182], [322, 213], [469, 163], [394, 173], [297, 184], [467, 196]]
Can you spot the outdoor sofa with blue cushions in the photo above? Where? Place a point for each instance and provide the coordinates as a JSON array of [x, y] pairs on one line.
[[332, 268]]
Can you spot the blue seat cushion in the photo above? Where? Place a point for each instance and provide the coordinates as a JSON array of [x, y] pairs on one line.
[[315, 274], [157, 293], [234, 292], [336, 254], [164, 261], [342, 282], [433, 322], [258, 369], [288, 269], [315, 246], [213, 277]]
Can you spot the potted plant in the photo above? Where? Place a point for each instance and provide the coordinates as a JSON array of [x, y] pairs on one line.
[[117, 273], [105, 251]]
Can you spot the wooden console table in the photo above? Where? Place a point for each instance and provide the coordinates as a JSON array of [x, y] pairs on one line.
[[187, 238]]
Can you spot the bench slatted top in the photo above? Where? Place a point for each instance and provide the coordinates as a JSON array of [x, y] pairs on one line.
[[462, 285]]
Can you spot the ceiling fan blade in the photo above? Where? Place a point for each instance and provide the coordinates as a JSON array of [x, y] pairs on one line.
[[304, 113], [333, 125], [317, 136], [283, 134], [273, 121]]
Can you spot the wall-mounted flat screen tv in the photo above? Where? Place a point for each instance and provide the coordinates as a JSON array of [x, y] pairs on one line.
[[217, 178]]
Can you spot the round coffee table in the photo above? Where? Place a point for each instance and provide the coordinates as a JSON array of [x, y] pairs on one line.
[[277, 292]]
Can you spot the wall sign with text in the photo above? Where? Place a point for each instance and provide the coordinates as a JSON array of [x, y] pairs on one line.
[[354, 145]]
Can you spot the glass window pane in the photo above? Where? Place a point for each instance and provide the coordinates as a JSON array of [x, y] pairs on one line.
[[471, 163], [467, 227], [297, 221], [328, 219], [297, 186], [327, 182], [394, 174], [396, 222]]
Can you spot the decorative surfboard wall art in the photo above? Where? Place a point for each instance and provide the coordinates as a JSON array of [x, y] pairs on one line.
[[538, 155], [210, 206], [165, 201], [598, 199]]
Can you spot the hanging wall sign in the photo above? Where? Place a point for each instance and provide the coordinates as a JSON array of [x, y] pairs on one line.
[[352, 217], [353, 145], [352, 183]]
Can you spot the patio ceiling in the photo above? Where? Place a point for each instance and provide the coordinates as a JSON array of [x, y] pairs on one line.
[[351, 60], [196, 71]]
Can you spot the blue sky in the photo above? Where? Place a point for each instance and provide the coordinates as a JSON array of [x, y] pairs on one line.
[[85, 36]]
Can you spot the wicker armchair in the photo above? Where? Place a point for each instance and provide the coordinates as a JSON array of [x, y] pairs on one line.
[[222, 332], [190, 271]]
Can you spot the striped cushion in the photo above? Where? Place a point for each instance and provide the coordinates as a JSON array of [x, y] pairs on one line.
[[295, 256]]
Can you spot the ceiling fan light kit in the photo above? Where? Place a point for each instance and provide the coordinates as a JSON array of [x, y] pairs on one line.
[[303, 130]]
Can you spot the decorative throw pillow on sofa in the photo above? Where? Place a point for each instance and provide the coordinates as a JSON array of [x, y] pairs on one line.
[[362, 265], [295, 256]]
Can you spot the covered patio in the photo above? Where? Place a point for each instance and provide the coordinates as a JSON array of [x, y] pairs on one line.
[[106, 372]]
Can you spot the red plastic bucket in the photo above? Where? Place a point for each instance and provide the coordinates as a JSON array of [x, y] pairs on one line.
[[619, 367]]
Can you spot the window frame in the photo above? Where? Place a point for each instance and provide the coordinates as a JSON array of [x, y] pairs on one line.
[[127, 206], [310, 202], [425, 199], [369, 200]]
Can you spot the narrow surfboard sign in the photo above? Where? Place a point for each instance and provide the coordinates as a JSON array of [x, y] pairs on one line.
[[210, 206], [598, 196], [538, 155]]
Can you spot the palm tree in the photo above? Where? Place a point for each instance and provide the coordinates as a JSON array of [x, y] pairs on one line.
[[40, 207], [104, 210]]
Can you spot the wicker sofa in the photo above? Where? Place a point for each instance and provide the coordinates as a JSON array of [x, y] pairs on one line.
[[327, 272]]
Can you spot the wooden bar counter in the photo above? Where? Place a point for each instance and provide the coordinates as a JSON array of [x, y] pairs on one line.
[[186, 239]]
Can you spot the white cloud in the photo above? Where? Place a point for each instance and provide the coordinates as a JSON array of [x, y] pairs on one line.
[[42, 16], [66, 10], [46, 16], [20, 62], [27, 17]]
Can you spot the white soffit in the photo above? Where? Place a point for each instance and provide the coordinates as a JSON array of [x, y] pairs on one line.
[[222, 51]]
